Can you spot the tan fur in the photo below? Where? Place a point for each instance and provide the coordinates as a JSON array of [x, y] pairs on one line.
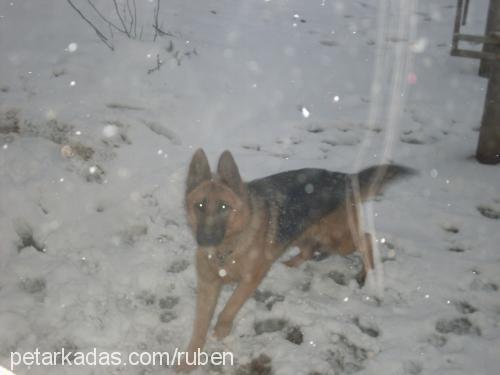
[[345, 239], [249, 246], [251, 257]]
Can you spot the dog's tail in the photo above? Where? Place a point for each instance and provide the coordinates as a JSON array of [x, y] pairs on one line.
[[371, 181]]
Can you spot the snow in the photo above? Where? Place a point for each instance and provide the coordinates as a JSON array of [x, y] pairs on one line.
[[95, 251]]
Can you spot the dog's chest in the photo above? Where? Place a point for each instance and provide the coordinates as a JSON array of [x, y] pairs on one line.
[[231, 266], [224, 264]]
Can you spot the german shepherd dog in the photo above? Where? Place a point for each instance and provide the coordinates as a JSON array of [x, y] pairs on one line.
[[242, 228]]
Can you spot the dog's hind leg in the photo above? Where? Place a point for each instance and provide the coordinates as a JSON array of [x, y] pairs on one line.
[[363, 243], [307, 249], [364, 246], [354, 238]]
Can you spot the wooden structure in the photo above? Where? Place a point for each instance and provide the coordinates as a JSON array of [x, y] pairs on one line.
[[488, 148]]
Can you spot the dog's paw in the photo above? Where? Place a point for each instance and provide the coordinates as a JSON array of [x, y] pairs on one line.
[[184, 367], [222, 329], [186, 363], [294, 262]]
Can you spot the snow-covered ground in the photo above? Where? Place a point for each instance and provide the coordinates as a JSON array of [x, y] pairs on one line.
[[94, 147]]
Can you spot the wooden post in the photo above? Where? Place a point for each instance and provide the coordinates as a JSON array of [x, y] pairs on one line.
[[492, 26], [488, 148]]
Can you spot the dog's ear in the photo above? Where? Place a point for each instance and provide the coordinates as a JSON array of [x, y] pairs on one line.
[[199, 170], [228, 171]]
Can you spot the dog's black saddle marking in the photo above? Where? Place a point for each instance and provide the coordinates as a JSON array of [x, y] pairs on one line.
[[302, 197]]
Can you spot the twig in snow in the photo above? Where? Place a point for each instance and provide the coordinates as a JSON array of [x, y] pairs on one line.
[[159, 63]]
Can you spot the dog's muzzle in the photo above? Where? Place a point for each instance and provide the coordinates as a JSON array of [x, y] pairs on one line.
[[207, 236]]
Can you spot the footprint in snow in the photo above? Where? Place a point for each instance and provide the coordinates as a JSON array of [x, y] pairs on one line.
[[294, 335], [257, 366], [168, 302], [35, 285], [163, 131], [289, 141], [464, 307], [270, 325], [100, 207], [489, 212], [167, 316], [485, 286], [412, 368], [9, 121], [437, 341], [268, 298], [147, 298], [251, 146], [450, 229], [26, 236], [69, 347], [178, 266], [366, 327], [279, 155], [329, 43], [291, 333], [339, 277], [314, 128], [458, 326], [115, 134], [346, 357], [456, 249], [342, 140], [418, 137], [124, 106], [132, 234]]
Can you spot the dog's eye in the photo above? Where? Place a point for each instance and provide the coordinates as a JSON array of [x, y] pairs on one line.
[[200, 205], [224, 206]]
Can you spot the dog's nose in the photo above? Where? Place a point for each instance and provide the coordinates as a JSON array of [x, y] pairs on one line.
[[209, 236]]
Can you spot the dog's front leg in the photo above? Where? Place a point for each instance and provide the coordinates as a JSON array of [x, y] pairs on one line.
[[207, 294], [243, 291]]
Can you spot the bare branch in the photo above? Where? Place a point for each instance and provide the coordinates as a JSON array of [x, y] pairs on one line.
[[131, 15], [97, 31], [163, 33], [111, 24], [121, 18], [155, 24], [111, 32], [135, 19], [128, 20]]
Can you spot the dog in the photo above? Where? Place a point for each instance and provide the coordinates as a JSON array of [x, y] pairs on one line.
[[242, 228]]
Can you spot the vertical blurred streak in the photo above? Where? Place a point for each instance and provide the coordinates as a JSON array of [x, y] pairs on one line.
[[398, 67], [381, 60]]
